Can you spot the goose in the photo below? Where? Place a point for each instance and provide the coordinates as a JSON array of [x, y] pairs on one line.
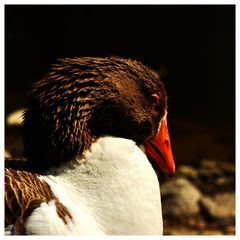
[[90, 126]]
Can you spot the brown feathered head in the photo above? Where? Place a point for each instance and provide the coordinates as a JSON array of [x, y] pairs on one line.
[[81, 99]]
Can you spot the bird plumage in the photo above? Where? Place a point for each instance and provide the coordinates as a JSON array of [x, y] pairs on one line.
[[84, 172]]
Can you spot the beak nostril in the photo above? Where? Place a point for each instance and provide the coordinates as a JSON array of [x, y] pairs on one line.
[[167, 143]]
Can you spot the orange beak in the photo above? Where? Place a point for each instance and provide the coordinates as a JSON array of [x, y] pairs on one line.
[[159, 149]]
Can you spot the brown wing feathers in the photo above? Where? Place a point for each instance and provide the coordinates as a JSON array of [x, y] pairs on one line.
[[24, 192]]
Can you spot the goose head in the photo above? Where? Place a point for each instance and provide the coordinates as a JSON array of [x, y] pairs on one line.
[[81, 99]]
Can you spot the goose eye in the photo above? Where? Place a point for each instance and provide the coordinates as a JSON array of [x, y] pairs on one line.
[[154, 99]]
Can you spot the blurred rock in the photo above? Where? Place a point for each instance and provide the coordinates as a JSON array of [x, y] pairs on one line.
[[179, 230], [210, 168], [213, 166], [15, 118], [230, 230], [221, 181], [180, 198], [187, 171], [208, 163], [7, 154], [14, 141], [227, 167], [192, 222], [212, 232], [221, 207], [202, 224]]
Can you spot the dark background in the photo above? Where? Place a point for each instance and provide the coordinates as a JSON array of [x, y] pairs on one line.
[[193, 47]]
